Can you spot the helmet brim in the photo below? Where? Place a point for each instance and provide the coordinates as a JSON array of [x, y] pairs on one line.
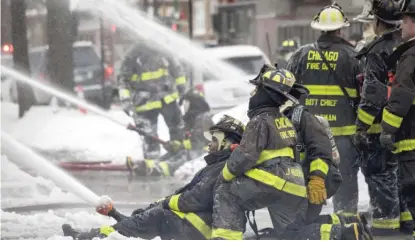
[[299, 90], [317, 26], [403, 13], [395, 22], [364, 19]]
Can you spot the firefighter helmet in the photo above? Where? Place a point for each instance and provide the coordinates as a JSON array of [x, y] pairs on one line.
[[408, 8], [386, 10], [229, 126], [330, 18], [365, 16], [276, 79]]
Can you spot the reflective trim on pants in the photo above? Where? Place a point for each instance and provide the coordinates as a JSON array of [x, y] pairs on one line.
[[391, 119], [386, 223], [404, 145], [325, 231], [197, 222], [226, 234]]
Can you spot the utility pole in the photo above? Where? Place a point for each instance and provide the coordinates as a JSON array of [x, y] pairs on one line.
[[190, 18]]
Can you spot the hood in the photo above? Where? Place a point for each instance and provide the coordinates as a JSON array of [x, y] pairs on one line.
[[218, 156]]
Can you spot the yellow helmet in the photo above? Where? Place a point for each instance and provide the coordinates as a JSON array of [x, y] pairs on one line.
[[330, 18]]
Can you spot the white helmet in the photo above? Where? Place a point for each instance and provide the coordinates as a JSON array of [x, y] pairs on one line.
[[330, 18]]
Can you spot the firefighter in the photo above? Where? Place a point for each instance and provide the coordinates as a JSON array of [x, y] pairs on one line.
[[197, 120], [187, 214], [152, 83], [398, 118], [262, 170], [288, 47], [377, 163], [367, 19], [328, 68]]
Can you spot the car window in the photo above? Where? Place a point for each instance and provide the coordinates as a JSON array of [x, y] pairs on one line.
[[250, 65], [85, 56]]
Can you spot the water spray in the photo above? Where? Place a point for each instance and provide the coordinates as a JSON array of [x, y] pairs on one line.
[[53, 90], [24, 156]]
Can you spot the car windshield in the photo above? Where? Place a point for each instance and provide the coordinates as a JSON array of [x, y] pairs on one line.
[[250, 64], [85, 56]]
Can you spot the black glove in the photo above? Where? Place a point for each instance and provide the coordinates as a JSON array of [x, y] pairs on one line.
[[173, 146], [361, 140], [387, 141]]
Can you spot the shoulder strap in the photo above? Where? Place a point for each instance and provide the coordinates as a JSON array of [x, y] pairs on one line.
[[296, 116], [349, 99]]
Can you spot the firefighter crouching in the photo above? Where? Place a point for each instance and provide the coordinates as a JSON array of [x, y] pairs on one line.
[[377, 163], [262, 170], [398, 118], [187, 214], [328, 69], [150, 82], [197, 120]]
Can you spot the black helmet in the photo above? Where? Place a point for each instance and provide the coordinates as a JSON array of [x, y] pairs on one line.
[[276, 79], [386, 10], [408, 8], [232, 128]]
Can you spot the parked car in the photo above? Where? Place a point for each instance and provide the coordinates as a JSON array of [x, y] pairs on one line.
[[88, 74], [227, 93]]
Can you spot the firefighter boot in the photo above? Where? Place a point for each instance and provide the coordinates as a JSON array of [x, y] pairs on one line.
[[69, 231], [354, 231]]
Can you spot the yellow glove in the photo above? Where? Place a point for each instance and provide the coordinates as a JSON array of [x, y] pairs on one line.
[[316, 189]]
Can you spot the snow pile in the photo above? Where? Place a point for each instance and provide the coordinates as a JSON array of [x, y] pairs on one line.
[[48, 224], [189, 169], [71, 133], [19, 188]]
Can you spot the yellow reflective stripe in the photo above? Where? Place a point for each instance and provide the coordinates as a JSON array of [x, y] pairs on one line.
[[152, 75], [226, 234], [391, 119], [404, 145], [325, 231], [328, 90], [406, 216], [174, 202], [106, 230], [181, 80], [187, 144], [150, 164], [227, 175], [206, 148], [134, 77], [386, 223], [365, 117], [374, 129], [334, 218], [303, 155], [413, 102], [270, 154], [124, 93], [170, 98], [319, 165], [343, 130], [277, 182], [165, 168], [347, 214], [197, 222], [149, 106]]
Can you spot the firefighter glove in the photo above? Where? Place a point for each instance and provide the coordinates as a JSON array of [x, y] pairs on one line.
[[105, 205], [316, 189], [387, 141], [173, 146], [361, 140]]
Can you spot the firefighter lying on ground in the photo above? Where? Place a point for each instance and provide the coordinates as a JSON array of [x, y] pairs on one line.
[[398, 119], [378, 165], [187, 214], [317, 152], [197, 121]]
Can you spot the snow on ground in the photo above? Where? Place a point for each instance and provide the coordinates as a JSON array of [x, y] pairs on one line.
[[86, 137]]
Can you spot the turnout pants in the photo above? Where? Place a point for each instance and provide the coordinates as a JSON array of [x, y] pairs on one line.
[[347, 196], [243, 193], [380, 168], [173, 118], [407, 191], [160, 222]]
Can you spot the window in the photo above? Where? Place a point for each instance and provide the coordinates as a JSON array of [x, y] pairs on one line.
[[250, 65]]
